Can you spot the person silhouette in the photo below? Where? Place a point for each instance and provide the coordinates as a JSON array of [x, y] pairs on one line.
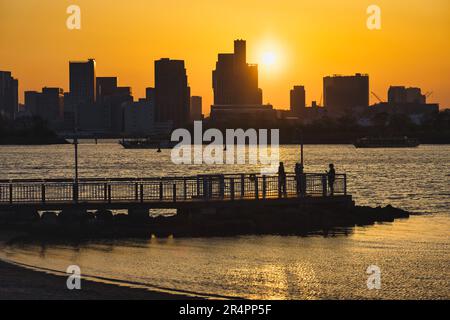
[[331, 178], [299, 170], [282, 180]]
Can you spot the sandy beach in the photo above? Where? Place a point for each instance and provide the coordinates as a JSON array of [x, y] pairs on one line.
[[17, 283]]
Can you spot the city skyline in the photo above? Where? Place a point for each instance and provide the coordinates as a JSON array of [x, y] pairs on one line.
[[305, 49]]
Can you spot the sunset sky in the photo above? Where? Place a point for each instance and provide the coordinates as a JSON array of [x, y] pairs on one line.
[[296, 42]]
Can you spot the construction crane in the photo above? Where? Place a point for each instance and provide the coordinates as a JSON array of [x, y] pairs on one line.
[[377, 97]]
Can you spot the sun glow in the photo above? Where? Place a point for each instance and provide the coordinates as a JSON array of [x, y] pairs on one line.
[[269, 59]]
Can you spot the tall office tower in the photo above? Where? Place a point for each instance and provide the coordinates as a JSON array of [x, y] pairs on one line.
[[48, 104], [172, 94], [9, 95], [105, 87], [298, 100], [343, 93], [82, 81], [234, 81], [196, 108]]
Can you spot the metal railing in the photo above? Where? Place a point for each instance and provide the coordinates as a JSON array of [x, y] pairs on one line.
[[226, 187]]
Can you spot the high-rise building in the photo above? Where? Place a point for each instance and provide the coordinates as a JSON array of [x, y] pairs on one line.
[[298, 100], [196, 108], [105, 87], [48, 104], [172, 93], [139, 117], [235, 82], [110, 95], [343, 93], [9, 95], [82, 81]]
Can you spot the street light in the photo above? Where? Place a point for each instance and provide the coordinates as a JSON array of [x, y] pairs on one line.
[[75, 143]]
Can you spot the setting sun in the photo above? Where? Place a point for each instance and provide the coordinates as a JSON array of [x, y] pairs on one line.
[[268, 58]]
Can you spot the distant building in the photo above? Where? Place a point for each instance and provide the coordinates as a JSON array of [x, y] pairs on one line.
[[196, 108], [237, 96], [95, 118], [9, 95], [239, 114], [150, 94], [234, 81], [106, 87], [344, 93], [139, 119], [82, 81], [298, 100], [172, 93], [401, 94], [48, 104]]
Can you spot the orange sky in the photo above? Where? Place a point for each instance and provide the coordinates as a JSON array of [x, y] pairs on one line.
[[310, 39]]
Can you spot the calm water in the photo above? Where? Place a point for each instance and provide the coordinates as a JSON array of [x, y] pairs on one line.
[[413, 254]]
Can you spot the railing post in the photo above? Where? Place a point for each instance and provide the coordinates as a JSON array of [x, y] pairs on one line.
[[324, 185], [11, 193], [222, 187], [303, 184], [161, 191], [345, 184], [242, 185], [136, 191], [279, 187], [174, 192], [232, 189], [75, 192], [205, 188], [198, 186], [185, 189], [109, 193], [141, 189], [43, 193], [210, 188], [264, 187], [256, 189], [105, 192]]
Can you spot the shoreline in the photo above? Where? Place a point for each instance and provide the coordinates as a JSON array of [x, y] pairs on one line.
[[20, 283], [24, 283]]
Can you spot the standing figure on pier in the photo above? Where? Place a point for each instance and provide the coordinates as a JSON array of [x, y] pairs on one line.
[[282, 180], [331, 178], [300, 178]]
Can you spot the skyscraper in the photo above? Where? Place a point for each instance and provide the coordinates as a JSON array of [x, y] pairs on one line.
[[105, 87], [48, 104], [172, 94], [298, 100], [82, 81], [234, 81], [196, 108], [343, 93], [9, 95]]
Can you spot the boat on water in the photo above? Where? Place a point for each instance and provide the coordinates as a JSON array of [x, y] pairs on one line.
[[379, 142], [145, 144]]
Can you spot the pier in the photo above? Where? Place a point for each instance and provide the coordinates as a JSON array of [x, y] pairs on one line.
[[170, 192]]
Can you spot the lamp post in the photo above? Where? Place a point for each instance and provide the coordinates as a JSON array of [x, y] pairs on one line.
[[75, 144]]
